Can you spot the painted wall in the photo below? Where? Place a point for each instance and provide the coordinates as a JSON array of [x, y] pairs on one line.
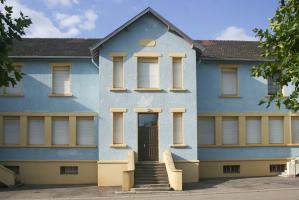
[[36, 88], [252, 90], [166, 42]]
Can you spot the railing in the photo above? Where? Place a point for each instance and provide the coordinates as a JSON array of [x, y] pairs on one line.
[[128, 175], [175, 176], [7, 177]]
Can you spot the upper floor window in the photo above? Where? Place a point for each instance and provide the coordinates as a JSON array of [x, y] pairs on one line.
[[36, 130], [60, 130], [276, 133], [11, 130], [148, 73], [206, 130], [13, 90], [61, 80], [272, 87], [229, 82], [177, 73], [118, 72], [85, 130], [230, 130]]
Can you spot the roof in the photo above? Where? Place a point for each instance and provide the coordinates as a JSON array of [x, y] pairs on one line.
[[230, 50], [52, 47], [79, 48], [170, 26]]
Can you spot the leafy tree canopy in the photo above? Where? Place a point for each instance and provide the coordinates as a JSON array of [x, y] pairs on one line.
[[10, 29], [280, 45]]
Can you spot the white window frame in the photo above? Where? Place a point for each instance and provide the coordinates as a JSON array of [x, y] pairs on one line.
[[238, 131], [182, 129], [68, 132], [118, 59], [229, 68], [214, 130], [3, 92], [178, 60], [92, 128], [158, 75], [122, 111], [4, 132], [282, 136], [59, 65], [260, 121], [39, 118]]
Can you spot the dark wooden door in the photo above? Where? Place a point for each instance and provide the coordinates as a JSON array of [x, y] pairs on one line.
[[148, 137]]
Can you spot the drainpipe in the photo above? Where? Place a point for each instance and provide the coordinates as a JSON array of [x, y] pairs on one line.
[[94, 63]]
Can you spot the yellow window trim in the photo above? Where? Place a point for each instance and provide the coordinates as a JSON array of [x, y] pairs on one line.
[[147, 42], [60, 95], [57, 65], [148, 110], [147, 54], [177, 89], [118, 146], [178, 55], [148, 89], [178, 146], [118, 89], [181, 110], [229, 68], [18, 67], [118, 110], [117, 54], [12, 95]]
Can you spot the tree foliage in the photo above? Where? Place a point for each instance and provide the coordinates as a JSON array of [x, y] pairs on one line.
[[280, 45], [10, 29]]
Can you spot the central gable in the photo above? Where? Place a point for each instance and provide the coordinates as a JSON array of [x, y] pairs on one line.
[[153, 26]]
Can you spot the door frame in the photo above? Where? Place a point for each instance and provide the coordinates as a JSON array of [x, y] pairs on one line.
[[158, 145]]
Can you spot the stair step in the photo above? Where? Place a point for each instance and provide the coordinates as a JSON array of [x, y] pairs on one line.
[[150, 182], [150, 189], [152, 185]]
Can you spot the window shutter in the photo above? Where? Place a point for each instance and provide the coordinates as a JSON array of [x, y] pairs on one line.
[[178, 128], [118, 128], [36, 130], [229, 130], [61, 80], [118, 72], [275, 130], [60, 129], [229, 82], [11, 130], [295, 130], [206, 131], [85, 131], [177, 73], [253, 130], [148, 73]]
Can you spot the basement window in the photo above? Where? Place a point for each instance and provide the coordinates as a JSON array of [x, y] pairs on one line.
[[231, 169], [277, 168], [15, 169], [69, 170]]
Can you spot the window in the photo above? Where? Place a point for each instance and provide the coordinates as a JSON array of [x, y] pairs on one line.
[[85, 130], [178, 128], [206, 130], [11, 130], [253, 130], [69, 170], [277, 168], [13, 90], [61, 81], [148, 73], [231, 169], [230, 130], [177, 73], [275, 130], [15, 169], [295, 130], [118, 128], [118, 72], [60, 130], [36, 130], [229, 82], [272, 87]]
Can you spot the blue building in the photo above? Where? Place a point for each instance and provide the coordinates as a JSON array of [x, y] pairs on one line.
[[147, 87]]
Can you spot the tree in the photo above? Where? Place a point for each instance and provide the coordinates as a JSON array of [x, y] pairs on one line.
[[11, 29], [280, 45]]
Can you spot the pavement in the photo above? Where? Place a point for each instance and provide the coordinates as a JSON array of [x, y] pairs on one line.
[[241, 188]]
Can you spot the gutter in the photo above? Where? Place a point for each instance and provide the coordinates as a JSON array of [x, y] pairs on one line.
[[94, 63], [236, 59], [57, 57]]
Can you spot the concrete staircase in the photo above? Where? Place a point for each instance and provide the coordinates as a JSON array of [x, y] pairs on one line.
[[150, 177], [7, 177], [292, 169]]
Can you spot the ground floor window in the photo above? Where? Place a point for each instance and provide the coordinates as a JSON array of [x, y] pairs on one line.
[[277, 168], [231, 169], [69, 170]]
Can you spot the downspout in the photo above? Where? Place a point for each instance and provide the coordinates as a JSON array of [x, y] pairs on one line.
[[94, 63]]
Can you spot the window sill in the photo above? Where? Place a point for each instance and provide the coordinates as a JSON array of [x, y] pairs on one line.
[[118, 146], [177, 89], [230, 96], [60, 95], [118, 89], [12, 95], [148, 89], [178, 146]]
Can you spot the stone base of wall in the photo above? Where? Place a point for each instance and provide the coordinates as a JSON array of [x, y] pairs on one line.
[[110, 172], [248, 168], [190, 170], [48, 172]]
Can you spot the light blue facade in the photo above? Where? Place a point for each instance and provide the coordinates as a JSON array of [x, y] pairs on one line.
[[166, 43]]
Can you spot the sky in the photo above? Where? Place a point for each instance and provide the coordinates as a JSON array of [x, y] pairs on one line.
[[200, 19]]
